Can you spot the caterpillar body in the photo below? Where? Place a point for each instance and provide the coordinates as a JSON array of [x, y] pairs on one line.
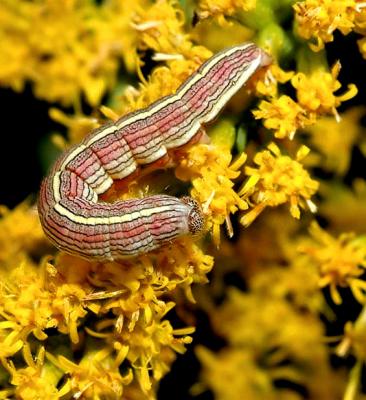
[[70, 213]]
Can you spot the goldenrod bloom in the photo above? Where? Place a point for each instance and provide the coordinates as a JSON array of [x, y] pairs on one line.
[[75, 50], [279, 179], [315, 91], [283, 115], [20, 234], [212, 171], [57, 305], [318, 19], [38, 379], [95, 376], [269, 85], [221, 8], [341, 261], [251, 363]]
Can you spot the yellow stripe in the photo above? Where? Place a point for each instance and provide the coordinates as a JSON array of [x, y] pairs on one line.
[[128, 217]]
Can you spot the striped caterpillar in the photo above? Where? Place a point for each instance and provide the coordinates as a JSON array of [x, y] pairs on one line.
[[69, 210]]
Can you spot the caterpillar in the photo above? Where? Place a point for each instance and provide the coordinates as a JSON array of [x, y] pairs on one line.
[[68, 206]]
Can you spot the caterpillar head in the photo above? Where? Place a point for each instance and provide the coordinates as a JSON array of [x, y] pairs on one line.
[[196, 220]]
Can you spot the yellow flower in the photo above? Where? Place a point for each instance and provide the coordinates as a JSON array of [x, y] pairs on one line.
[[96, 375], [76, 49], [160, 27], [20, 234], [137, 284], [269, 85], [211, 170], [283, 115], [220, 8], [33, 299], [279, 179], [315, 96], [354, 338], [264, 347], [129, 293], [329, 138], [315, 91], [341, 261], [78, 126], [163, 81], [149, 346], [37, 380], [318, 19]]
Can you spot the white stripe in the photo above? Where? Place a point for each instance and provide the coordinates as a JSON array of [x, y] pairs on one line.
[[56, 182], [104, 186]]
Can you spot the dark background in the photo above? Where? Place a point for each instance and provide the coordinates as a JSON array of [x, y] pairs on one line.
[[24, 124]]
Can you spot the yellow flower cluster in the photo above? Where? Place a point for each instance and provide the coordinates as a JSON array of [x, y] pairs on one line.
[[279, 351], [315, 93], [283, 115], [319, 19], [220, 8], [211, 171], [21, 234], [161, 29], [135, 333], [278, 179], [315, 97], [341, 261], [75, 51], [36, 380]]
